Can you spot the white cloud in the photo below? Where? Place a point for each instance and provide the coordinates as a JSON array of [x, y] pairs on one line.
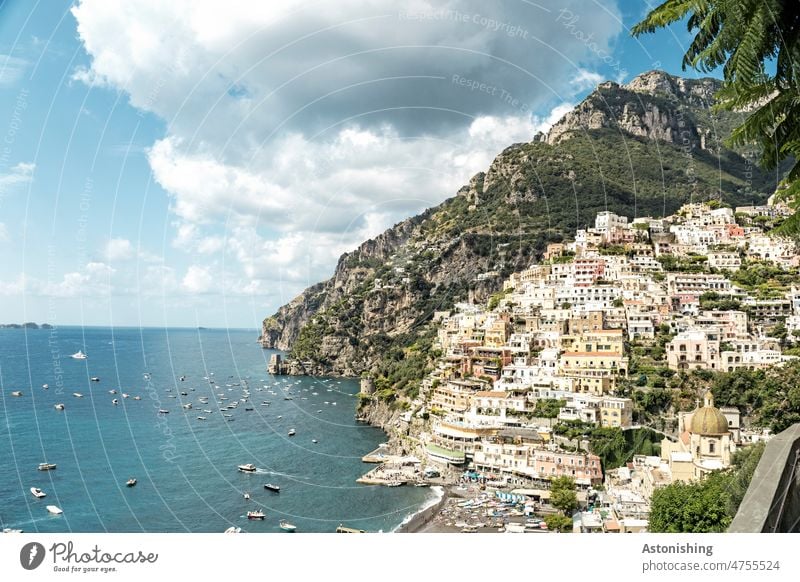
[[119, 249], [584, 79], [11, 70], [198, 279], [21, 173], [94, 280], [3, 232]]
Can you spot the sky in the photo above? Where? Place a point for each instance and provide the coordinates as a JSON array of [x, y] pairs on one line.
[[199, 163]]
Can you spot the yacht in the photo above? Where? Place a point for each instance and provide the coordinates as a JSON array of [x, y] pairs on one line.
[[46, 466], [201, 418], [79, 355], [286, 526], [248, 468], [115, 402], [38, 493], [112, 391], [16, 393], [163, 411], [54, 510], [95, 378], [246, 496], [292, 432], [187, 406], [77, 395], [233, 529], [124, 395], [272, 487], [59, 406], [45, 386], [315, 441], [258, 514], [137, 397], [207, 411], [130, 482]]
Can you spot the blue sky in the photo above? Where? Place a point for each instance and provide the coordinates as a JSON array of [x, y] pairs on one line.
[[201, 163]]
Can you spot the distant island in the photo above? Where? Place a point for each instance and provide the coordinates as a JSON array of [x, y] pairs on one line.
[[27, 325]]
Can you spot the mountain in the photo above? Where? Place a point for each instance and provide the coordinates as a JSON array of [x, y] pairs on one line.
[[644, 148]]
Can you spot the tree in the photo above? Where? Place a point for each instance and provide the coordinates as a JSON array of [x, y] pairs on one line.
[[562, 495], [757, 44], [699, 507], [557, 522]]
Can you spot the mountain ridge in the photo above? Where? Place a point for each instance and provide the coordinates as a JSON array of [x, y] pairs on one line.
[[642, 148]]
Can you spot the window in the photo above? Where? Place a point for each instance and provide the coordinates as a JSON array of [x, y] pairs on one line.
[[711, 447]]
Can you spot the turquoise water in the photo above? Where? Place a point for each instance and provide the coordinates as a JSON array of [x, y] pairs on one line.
[[185, 467]]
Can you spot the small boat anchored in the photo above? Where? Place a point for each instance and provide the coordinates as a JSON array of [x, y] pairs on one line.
[[38, 493], [16, 393], [46, 466], [54, 510], [292, 432], [258, 514], [79, 355], [130, 482], [272, 487], [286, 526], [59, 406]]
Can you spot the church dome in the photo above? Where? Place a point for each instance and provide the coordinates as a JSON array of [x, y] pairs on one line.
[[708, 420]]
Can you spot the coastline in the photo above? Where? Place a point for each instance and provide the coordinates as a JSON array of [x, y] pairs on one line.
[[416, 521]]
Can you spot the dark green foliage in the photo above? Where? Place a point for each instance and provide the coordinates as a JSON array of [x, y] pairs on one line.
[[548, 407], [563, 495]]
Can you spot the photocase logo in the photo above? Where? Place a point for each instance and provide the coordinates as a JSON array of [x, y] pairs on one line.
[[31, 555]]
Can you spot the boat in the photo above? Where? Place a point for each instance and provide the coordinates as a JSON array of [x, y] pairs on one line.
[[46, 466], [124, 395], [163, 411], [16, 393], [286, 526], [95, 378], [315, 441], [45, 386], [207, 411], [248, 408], [247, 496], [54, 510], [112, 391], [421, 484], [59, 406], [233, 529], [115, 402], [248, 468], [272, 487], [288, 398], [8, 530], [394, 484], [258, 514], [38, 493], [77, 395], [137, 397], [187, 406], [342, 529], [79, 355], [291, 432], [130, 482], [201, 418]]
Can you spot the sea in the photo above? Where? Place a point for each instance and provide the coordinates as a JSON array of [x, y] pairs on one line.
[[185, 468]]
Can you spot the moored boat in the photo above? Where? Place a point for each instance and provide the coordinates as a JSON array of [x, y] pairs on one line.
[[291, 432], [286, 526], [343, 529], [38, 493], [272, 487], [258, 514], [59, 406], [233, 529], [46, 466], [54, 510], [247, 468], [79, 355], [130, 482], [16, 393]]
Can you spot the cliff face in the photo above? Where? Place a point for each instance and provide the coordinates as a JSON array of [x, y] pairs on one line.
[[643, 148], [654, 106]]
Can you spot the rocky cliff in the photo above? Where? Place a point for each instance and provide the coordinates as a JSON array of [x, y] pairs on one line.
[[643, 148]]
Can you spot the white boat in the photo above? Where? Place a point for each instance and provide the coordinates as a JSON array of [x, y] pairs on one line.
[[291, 432], [188, 406], [59, 406], [163, 411], [247, 496], [247, 468], [258, 514], [137, 397], [130, 482], [315, 441], [95, 378], [286, 526], [38, 493], [16, 393], [115, 402], [394, 484], [45, 386], [207, 411], [233, 529], [54, 510], [112, 391], [125, 395], [201, 418], [79, 355], [272, 487], [46, 466], [77, 395]]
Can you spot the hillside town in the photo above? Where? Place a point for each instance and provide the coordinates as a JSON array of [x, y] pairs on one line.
[[627, 303]]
